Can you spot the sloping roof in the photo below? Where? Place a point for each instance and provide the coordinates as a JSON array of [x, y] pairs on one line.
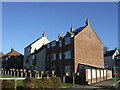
[[12, 53], [109, 53], [1, 54]]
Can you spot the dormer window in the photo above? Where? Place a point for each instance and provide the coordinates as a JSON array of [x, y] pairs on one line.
[[67, 40], [53, 44]]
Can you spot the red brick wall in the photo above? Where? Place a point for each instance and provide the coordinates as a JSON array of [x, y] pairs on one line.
[[88, 48]]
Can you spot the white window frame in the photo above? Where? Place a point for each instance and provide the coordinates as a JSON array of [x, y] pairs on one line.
[[53, 56], [53, 44], [68, 55], [67, 40], [60, 56]]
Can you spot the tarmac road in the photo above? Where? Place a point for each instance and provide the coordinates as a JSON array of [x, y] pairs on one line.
[[103, 85]]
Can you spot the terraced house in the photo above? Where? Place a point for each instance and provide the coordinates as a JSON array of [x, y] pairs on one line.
[[35, 54], [78, 49]]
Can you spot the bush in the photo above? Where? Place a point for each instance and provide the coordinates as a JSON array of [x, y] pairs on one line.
[[8, 84], [53, 82], [56, 81], [31, 83], [47, 83]]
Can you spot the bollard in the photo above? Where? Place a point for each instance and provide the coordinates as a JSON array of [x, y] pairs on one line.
[[18, 73], [25, 74], [5, 72], [21, 74], [35, 75], [14, 73], [73, 80], [41, 75], [11, 73], [8, 73], [63, 79]]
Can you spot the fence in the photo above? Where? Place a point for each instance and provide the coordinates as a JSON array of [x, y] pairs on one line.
[[87, 76]]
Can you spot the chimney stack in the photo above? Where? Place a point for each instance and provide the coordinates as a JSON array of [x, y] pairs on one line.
[[59, 36], [12, 49], [71, 29], [44, 34], [87, 22]]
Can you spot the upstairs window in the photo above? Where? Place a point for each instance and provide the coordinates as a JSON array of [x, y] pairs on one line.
[[33, 57], [48, 45], [53, 44], [6, 58], [60, 43], [60, 55], [54, 56], [68, 55], [67, 40]]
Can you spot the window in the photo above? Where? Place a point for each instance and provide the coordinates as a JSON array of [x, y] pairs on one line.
[[53, 44], [33, 56], [60, 55], [47, 57], [6, 58], [68, 55], [48, 45], [53, 68], [68, 69], [60, 43], [54, 56], [67, 40]]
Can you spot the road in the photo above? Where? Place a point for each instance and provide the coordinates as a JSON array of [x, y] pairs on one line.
[[103, 85]]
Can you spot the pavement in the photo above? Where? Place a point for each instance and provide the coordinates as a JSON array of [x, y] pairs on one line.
[[103, 85]]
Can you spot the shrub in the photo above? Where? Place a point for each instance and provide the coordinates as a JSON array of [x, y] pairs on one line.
[[8, 84], [56, 81], [47, 83], [31, 83]]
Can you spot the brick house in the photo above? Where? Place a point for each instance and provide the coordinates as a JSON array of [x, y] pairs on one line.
[[12, 59], [78, 49], [35, 54]]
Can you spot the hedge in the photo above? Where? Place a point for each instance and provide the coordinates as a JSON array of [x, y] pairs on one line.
[[31, 83], [8, 84], [53, 82]]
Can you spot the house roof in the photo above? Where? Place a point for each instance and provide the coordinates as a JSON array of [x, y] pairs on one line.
[[109, 53], [1, 54], [12, 53]]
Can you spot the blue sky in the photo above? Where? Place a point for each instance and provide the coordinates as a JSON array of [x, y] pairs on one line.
[[24, 22]]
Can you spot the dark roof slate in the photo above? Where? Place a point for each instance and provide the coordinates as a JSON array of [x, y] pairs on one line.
[[109, 53]]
